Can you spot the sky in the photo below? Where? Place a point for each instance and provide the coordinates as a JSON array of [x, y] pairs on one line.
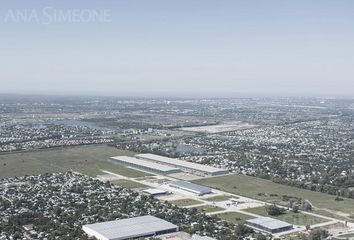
[[177, 47]]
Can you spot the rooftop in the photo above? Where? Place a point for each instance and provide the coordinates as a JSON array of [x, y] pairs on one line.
[[191, 186], [154, 191], [130, 227], [145, 163], [269, 223], [182, 163]]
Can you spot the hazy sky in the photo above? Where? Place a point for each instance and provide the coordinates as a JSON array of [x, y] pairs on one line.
[[114, 47]]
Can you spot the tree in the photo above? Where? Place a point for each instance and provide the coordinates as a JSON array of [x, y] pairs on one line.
[[308, 227], [295, 208], [318, 234], [273, 210]]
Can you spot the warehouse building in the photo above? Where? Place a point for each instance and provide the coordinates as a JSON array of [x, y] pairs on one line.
[[269, 224], [144, 165], [155, 192], [195, 168], [190, 187], [130, 228]]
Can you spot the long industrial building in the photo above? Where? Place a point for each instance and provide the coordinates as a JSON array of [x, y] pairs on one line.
[[194, 168], [269, 224], [190, 187], [144, 165], [130, 228]]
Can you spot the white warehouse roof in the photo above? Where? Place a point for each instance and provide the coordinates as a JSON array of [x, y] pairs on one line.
[[181, 163], [154, 191], [128, 228], [146, 164], [269, 223], [191, 187]]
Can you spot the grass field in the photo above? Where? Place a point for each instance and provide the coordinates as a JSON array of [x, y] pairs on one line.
[[294, 236], [251, 187], [128, 184], [219, 198], [185, 202], [234, 217], [332, 215], [209, 208], [290, 217], [85, 159]]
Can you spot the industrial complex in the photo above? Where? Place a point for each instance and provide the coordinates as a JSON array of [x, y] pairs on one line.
[[130, 228], [269, 224], [169, 188], [194, 168], [190, 187], [145, 165], [165, 165]]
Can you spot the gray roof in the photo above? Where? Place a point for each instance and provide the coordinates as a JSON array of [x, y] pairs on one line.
[[130, 227], [178, 162], [190, 186], [144, 163], [269, 223], [154, 191]]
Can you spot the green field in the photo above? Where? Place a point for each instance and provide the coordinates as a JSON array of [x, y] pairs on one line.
[[219, 198], [128, 184], [252, 187], [209, 208], [234, 217], [290, 217], [332, 215], [85, 159], [185, 202]]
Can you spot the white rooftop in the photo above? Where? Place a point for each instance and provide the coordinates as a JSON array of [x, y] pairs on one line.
[[154, 191], [145, 163], [178, 162], [128, 228], [269, 223], [191, 187]]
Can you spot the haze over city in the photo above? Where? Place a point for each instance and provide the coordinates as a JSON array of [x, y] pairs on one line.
[[176, 48], [177, 120]]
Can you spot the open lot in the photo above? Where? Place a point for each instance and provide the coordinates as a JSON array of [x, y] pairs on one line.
[[219, 198], [85, 159], [234, 217], [185, 202], [128, 184], [252, 187], [225, 127], [290, 217], [209, 208]]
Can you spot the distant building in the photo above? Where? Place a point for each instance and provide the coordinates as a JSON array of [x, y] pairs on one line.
[[144, 165], [154, 191], [269, 224], [130, 228], [190, 187], [194, 168]]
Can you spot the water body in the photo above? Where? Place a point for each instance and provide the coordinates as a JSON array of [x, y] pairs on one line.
[[72, 122]]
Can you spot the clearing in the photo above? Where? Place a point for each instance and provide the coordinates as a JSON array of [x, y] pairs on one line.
[[87, 159], [269, 191], [290, 217], [185, 202]]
